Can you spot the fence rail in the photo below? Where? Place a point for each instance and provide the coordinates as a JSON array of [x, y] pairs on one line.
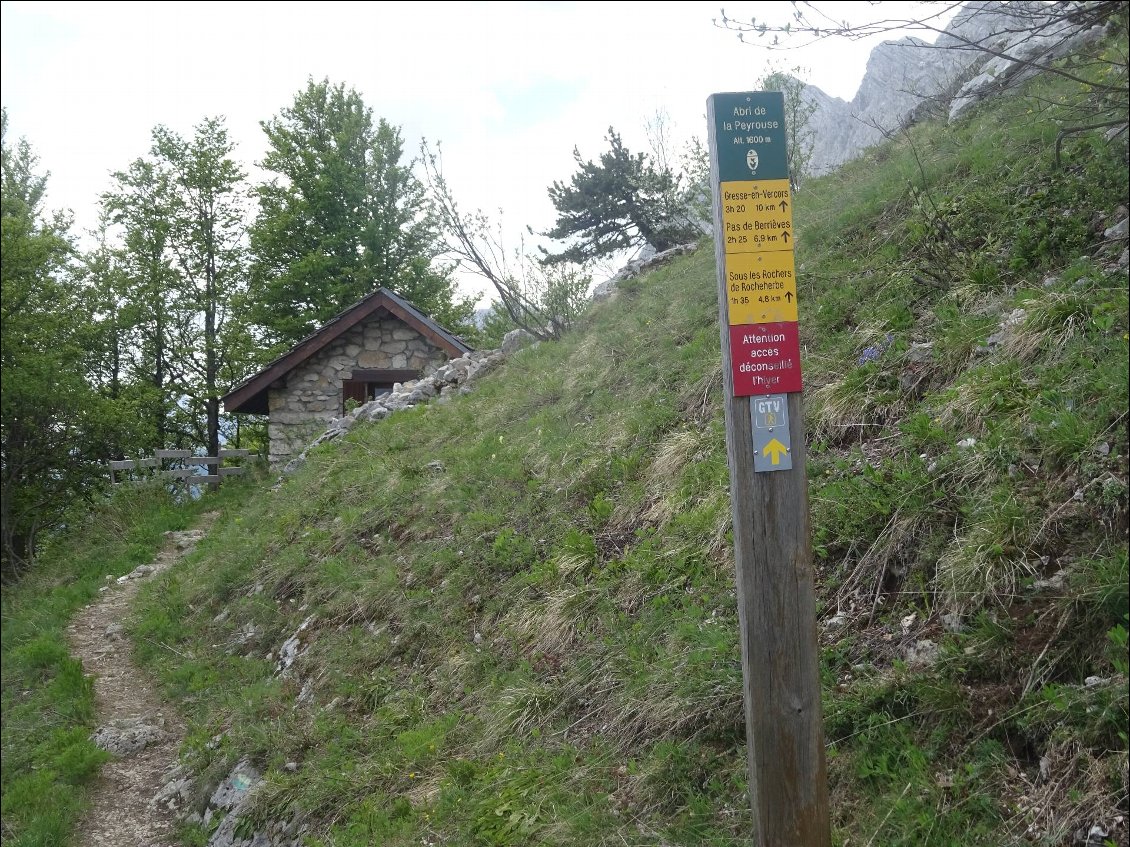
[[137, 470]]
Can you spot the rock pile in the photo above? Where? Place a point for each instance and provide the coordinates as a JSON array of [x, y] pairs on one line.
[[441, 385], [646, 261]]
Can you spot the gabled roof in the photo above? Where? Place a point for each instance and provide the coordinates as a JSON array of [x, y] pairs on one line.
[[251, 395]]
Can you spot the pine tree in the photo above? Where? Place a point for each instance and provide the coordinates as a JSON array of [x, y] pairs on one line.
[[620, 202]]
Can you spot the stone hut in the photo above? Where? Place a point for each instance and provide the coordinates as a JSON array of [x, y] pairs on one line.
[[356, 356]]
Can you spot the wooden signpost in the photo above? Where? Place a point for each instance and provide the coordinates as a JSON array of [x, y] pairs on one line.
[[768, 486]]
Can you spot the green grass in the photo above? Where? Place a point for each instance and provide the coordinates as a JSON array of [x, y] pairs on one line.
[[48, 701], [535, 642], [519, 606]]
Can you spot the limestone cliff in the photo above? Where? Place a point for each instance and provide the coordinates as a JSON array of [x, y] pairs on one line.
[[984, 46]]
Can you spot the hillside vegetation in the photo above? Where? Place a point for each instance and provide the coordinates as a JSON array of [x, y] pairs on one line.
[[519, 611], [515, 612], [48, 696]]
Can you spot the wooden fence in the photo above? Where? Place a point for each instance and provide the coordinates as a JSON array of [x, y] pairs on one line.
[[177, 464]]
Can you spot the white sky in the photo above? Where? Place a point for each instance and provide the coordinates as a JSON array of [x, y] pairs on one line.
[[509, 89]]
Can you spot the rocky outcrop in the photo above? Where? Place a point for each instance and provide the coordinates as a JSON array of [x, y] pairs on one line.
[[986, 47], [1022, 54]]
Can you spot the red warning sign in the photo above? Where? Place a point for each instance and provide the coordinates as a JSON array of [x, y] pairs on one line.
[[765, 358]]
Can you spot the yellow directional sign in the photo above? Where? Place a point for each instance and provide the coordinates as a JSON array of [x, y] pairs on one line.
[[772, 441], [774, 450], [757, 215], [761, 287]]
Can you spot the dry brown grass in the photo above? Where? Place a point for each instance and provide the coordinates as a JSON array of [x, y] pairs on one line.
[[1071, 792]]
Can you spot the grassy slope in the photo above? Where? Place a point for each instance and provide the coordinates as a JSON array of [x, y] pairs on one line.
[[48, 703], [522, 624]]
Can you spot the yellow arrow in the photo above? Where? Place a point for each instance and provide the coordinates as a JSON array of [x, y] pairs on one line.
[[774, 449]]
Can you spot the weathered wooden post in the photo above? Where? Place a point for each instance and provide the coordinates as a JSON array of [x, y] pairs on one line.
[[768, 487]]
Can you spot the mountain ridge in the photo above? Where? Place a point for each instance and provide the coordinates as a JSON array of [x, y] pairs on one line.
[[905, 75]]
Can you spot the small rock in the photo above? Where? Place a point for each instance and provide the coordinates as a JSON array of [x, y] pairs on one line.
[[1092, 681], [290, 767], [1015, 318], [114, 630], [953, 622], [1094, 837], [836, 621], [605, 290], [175, 793], [127, 735], [920, 353], [516, 340], [1054, 582], [1119, 230], [922, 653], [229, 793], [967, 443], [290, 648]]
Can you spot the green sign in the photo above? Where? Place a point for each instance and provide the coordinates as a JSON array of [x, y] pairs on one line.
[[750, 130]]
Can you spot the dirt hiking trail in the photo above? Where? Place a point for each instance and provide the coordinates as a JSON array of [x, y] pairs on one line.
[[136, 726]]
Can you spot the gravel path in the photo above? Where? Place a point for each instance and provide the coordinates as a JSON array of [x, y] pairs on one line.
[[141, 730]]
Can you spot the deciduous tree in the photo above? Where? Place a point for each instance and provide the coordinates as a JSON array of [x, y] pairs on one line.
[[799, 109], [181, 211], [343, 215], [203, 191], [543, 300], [54, 425]]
